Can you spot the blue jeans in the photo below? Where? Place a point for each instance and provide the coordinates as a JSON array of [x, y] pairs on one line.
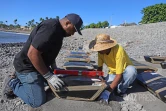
[[129, 75], [30, 88]]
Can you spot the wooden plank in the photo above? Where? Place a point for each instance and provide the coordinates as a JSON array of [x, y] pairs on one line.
[[154, 82], [153, 79], [160, 90], [78, 66], [75, 90], [155, 59], [142, 67]]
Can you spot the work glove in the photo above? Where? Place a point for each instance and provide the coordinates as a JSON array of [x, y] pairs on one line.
[[104, 97], [54, 80]]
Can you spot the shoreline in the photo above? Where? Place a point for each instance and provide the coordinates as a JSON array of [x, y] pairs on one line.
[[16, 31], [11, 44]]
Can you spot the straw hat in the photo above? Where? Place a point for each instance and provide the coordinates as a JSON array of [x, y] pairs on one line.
[[102, 42]]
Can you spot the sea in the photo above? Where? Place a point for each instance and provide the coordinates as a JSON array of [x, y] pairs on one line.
[[11, 37]]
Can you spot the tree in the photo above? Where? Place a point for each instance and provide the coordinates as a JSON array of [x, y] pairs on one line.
[[1, 22], [31, 23], [11, 26], [105, 24], [87, 26], [153, 14], [46, 18], [6, 22], [17, 26], [37, 23], [15, 21], [98, 25], [41, 19], [57, 17], [92, 25]]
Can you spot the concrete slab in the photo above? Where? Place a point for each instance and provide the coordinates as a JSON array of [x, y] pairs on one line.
[[55, 104], [141, 95], [144, 97]]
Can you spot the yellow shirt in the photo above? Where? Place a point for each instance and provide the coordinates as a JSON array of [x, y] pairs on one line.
[[117, 60]]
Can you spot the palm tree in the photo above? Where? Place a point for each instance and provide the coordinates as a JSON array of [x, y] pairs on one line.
[[15, 21], [41, 19], [37, 23], [6, 22], [57, 17], [46, 18]]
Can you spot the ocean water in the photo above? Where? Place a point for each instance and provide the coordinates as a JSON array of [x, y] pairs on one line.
[[11, 37]]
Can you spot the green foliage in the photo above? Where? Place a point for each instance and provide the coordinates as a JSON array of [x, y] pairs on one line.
[[46, 18], [153, 14], [98, 25], [41, 19], [57, 17], [11, 26], [105, 24], [1, 22], [15, 21], [92, 25], [2, 25], [31, 23], [17, 26]]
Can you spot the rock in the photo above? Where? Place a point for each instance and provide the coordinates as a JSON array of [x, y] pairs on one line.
[[1, 101], [124, 109], [115, 105], [139, 106]]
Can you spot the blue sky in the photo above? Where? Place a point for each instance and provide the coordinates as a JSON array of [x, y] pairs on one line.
[[91, 11]]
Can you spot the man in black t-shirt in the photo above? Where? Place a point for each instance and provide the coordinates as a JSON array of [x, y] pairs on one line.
[[32, 63]]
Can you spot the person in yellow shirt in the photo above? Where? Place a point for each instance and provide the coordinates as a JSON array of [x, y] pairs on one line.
[[122, 73]]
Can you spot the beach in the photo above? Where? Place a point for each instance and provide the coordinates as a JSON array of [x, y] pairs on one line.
[[139, 40]]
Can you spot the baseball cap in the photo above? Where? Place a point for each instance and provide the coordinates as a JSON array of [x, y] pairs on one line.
[[76, 21]]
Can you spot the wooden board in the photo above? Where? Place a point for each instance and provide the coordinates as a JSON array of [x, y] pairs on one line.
[[76, 53], [163, 65], [142, 67], [80, 88], [154, 82], [77, 56], [154, 59], [76, 59], [78, 66]]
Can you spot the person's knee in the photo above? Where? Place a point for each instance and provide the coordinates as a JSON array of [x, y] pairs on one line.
[[38, 102], [131, 72]]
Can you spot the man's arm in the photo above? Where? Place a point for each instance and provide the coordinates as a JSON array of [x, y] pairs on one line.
[[35, 57], [116, 81], [53, 65]]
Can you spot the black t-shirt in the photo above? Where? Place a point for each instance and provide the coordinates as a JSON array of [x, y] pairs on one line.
[[47, 37]]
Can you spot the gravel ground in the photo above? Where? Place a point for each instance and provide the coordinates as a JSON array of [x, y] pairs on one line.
[[137, 40]]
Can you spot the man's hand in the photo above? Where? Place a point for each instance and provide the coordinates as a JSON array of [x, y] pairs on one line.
[[104, 97], [54, 80]]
